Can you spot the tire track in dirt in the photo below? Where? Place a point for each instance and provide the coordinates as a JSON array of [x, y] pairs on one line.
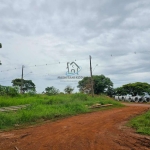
[[103, 130]]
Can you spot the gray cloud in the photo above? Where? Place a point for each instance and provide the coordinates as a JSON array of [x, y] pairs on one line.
[[115, 33]]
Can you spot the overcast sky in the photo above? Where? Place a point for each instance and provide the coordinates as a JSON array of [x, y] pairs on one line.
[[38, 32]]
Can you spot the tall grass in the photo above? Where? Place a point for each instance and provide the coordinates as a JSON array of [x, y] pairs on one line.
[[141, 123], [19, 100], [43, 107]]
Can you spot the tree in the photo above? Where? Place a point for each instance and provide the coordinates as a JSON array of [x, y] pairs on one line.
[[85, 85], [133, 88], [102, 84], [68, 89], [27, 85], [9, 91], [51, 90], [120, 91], [110, 91]]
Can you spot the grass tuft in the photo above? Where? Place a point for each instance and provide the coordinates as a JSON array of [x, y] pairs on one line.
[[141, 123], [44, 107]]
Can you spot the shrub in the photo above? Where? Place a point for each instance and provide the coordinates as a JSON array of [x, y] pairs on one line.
[[80, 96], [9, 91]]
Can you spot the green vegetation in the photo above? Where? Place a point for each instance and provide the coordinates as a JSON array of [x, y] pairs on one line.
[[68, 89], [102, 84], [27, 85], [44, 107], [9, 91], [51, 91], [141, 123], [133, 88]]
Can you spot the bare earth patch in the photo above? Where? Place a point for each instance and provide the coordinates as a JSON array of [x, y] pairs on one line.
[[102, 130]]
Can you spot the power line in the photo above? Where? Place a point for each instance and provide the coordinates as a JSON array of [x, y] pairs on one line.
[[60, 62], [47, 64], [48, 74], [74, 60], [33, 66]]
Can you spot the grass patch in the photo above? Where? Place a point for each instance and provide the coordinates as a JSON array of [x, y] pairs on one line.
[[141, 123], [43, 107]]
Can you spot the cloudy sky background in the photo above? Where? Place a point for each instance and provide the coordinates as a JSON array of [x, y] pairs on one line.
[[115, 33]]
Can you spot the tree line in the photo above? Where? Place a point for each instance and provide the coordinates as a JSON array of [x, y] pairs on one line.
[[101, 85], [27, 86]]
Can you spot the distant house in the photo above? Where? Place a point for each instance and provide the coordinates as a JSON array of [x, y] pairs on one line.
[[73, 68]]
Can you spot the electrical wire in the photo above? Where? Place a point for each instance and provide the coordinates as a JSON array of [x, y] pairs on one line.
[[59, 62], [66, 62]]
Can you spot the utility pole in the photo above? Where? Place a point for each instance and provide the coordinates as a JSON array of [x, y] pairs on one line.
[[21, 89], [91, 78]]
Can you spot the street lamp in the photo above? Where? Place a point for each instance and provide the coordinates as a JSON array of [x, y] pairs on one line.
[[95, 67]]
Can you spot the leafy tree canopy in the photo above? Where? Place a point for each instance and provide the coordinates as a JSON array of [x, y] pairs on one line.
[[28, 85], [51, 90], [133, 88], [68, 89], [9, 91], [102, 84], [0, 45]]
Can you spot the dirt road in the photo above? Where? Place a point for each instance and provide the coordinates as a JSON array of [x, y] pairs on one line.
[[102, 130]]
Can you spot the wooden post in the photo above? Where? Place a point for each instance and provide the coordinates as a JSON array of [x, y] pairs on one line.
[[21, 90], [91, 78]]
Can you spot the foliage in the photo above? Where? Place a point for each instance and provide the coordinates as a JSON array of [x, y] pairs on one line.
[[120, 91], [31, 93], [28, 85], [61, 93], [44, 107], [110, 91], [8, 91], [141, 123], [79, 96], [102, 84], [51, 90], [85, 85], [68, 89], [133, 88]]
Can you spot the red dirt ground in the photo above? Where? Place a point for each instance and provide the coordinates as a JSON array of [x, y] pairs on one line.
[[103, 130]]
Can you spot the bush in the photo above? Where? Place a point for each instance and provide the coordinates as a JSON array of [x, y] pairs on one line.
[[8, 91], [80, 96], [51, 91], [31, 93]]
